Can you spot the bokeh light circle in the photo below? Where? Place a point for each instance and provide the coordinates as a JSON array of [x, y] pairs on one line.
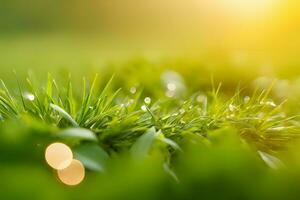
[[58, 155], [73, 174]]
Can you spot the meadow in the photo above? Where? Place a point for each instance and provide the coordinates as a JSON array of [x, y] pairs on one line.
[[150, 104]]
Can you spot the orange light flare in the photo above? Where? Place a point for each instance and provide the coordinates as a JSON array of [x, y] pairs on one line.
[[73, 174], [58, 155]]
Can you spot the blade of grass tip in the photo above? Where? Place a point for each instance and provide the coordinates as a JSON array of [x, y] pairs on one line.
[[254, 96], [265, 93], [69, 99], [39, 104], [261, 94], [235, 98], [170, 172], [152, 115], [218, 89], [49, 85], [49, 92], [238, 92], [21, 96], [5, 113], [79, 118], [93, 86], [6, 90], [215, 91], [105, 89], [60, 101], [64, 114], [87, 99], [7, 106], [168, 141], [8, 102], [20, 90], [84, 90], [269, 90], [103, 94], [272, 161], [8, 94], [276, 109], [110, 100], [136, 100]]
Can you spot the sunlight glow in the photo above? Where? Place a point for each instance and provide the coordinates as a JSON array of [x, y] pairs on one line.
[[249, 8]]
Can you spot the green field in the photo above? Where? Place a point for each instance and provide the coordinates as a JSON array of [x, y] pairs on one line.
[[169, 128], [193, 103]]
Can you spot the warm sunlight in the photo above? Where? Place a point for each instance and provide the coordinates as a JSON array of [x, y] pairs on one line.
[[249, 8], [150, 99]]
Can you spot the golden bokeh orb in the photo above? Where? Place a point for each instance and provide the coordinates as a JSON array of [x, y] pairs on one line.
[[73, 174], [58, 155]]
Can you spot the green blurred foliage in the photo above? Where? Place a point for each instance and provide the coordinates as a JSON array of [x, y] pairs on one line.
[[226, 170]]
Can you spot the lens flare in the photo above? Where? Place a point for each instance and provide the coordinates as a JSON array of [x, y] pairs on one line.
[[73, 174], [58, 155]]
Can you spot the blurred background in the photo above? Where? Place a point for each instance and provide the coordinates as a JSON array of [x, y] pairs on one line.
[[211, 37]]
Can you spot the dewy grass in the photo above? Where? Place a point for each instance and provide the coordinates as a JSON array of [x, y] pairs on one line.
[[118, 121]]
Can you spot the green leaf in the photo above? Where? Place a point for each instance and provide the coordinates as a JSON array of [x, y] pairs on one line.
[[92, 156], [270, 160], [170, 172], [170, 142], [78, 133], [64, 114], [142, 146]]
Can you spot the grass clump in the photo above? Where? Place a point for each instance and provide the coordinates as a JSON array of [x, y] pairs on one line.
[[161, 145], [119, 118]]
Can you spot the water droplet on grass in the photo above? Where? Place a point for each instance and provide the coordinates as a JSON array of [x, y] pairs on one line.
[[144, 108], [232, 107], [182, 110], [147, 100], [170, 93], [29, 96], [201, 98], [171, 86], [246, 99], [132, 90]]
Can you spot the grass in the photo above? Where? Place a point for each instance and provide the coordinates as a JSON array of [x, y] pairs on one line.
[[119, 118], [109, 127]]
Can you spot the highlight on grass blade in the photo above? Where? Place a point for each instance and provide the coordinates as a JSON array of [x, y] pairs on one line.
[[64, 114], [77, 134], [142, 146], [170, 142], [270, 160], [170, 172]]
